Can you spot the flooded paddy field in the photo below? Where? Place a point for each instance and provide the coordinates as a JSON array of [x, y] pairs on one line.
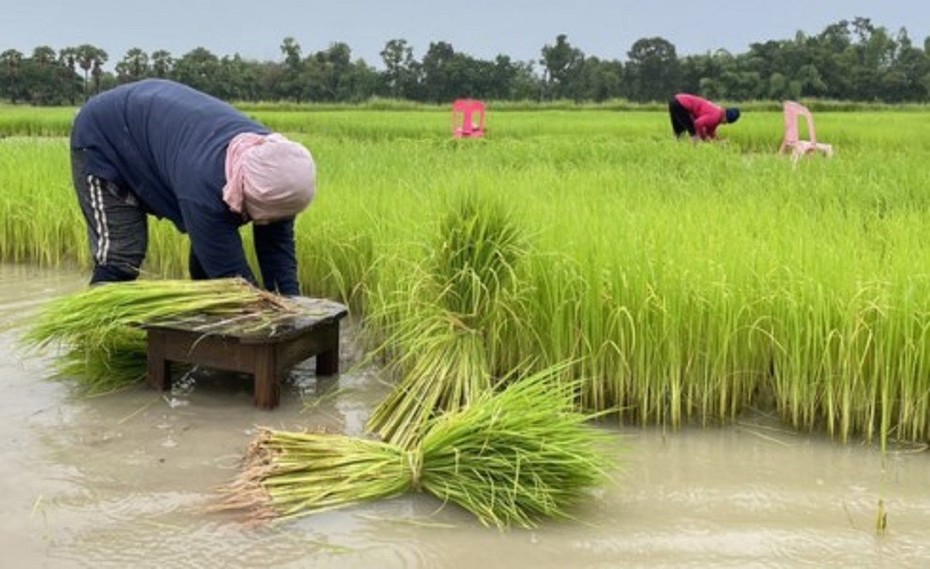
[[125, 480]]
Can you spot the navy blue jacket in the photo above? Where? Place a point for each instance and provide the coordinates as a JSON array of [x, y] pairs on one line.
[[167, 142]]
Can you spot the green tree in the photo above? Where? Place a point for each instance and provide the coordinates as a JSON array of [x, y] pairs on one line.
[[134, 66], [68, 57], [908, 76], [401, 75], [11, 62], [513, 80], [363, 82], [290, 85], [653, 69], [42, 76], [237, 79], [436, 73], [91, 59], [270, 77], [162, 64], [43, 55], [600, 80], [700, 71], [337, 62], [71, 82], [198, 69], [561, 63]]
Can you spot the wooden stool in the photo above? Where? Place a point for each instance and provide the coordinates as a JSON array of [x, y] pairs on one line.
[[266, 352]]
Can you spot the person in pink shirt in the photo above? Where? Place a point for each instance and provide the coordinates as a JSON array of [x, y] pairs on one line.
[[698, 116]]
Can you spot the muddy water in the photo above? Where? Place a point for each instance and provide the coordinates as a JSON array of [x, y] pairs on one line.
[[121, 481]]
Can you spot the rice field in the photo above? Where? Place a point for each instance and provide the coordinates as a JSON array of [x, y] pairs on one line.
[[685, 283]]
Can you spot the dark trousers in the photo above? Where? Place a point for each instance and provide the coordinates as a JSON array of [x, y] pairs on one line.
[[681, 119], [117, 228], [195, 268]]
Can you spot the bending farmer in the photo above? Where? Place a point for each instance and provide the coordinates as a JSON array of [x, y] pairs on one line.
[[699, 117], [160, 148]]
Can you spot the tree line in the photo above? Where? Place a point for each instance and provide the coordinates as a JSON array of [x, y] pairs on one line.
[[851, 60]]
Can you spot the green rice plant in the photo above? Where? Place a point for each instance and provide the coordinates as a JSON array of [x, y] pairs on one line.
[[475, 261], [512, 458], [337, 263], [21, 120], [40, 220], [687, 282], [99, 334]]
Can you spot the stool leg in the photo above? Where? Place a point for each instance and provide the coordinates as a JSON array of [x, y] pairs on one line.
[[327, 361], [159, 374], [267, 393]]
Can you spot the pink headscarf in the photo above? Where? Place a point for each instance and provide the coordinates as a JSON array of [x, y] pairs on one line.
[[268, 177]]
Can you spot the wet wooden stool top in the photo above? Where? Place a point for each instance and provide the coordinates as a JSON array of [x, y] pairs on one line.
[[267, 350]]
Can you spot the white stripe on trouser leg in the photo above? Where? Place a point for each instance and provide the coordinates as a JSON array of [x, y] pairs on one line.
[[100, 219], [92, 194]]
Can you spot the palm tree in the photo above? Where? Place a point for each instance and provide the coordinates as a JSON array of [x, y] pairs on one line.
[[43, 55], [162, 63], [134, 66], [90, 58], [10, 62], [68, 57]]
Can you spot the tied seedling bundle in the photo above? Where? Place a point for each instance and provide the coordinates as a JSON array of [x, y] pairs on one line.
[[511, 458], [453, 313], [98, 330]]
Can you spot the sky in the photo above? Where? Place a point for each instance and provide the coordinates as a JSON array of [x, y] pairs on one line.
[[481, 28]]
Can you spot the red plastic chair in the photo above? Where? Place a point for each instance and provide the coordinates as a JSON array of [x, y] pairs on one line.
[[792, 141], [468, 118]]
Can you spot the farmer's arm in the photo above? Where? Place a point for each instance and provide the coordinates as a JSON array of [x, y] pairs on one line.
[[216, 242], [277, 257], [706, 127]]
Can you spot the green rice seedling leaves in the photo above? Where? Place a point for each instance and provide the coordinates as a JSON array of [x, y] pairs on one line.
[[517, 457], [445, 330], [480, 246], [682, 294], [98, 330], [512, 458], [447, 371]]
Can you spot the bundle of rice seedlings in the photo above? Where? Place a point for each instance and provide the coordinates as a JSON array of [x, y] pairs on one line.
[[511, 458], [447, 369], [97, 330], [445, 328]]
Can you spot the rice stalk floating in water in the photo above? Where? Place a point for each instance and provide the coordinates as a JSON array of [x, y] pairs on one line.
[[443, 331], [511, 458], [98, 329]]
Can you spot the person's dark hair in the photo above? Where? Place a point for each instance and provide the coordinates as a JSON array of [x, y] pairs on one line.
[[732, 115]]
